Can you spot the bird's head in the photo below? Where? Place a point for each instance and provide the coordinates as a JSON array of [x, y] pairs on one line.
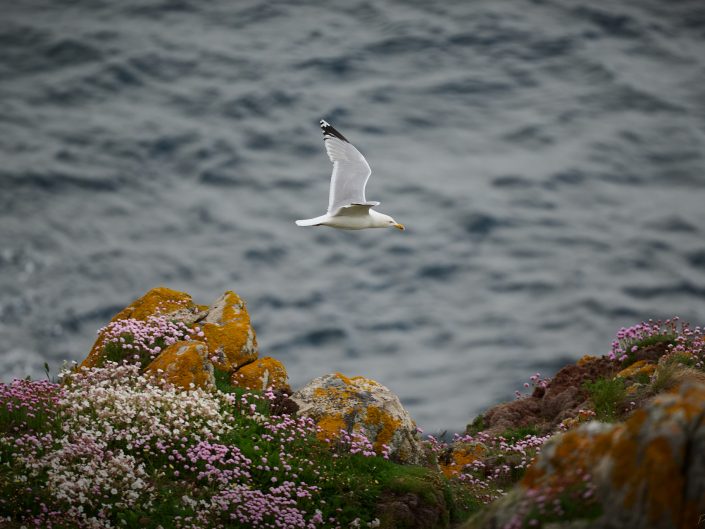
[[393, 223]]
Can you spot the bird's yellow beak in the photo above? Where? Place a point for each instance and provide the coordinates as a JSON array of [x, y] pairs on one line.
[[399, 226]]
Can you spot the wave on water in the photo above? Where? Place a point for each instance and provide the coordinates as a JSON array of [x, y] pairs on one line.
[[547, 159]]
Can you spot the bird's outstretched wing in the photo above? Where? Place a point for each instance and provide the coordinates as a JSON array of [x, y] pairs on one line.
[[350, 170]]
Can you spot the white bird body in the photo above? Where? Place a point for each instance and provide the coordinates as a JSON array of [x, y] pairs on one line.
[[353, 217], [347, 207]]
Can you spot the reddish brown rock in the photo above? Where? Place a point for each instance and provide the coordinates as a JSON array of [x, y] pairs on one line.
[[562, 399], [413, 510], [512, 415]]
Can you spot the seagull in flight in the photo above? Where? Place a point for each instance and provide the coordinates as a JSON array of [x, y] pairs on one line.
[[347, 207]]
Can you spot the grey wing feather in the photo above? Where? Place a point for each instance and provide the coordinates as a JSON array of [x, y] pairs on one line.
[[354, 210], [350, 170]]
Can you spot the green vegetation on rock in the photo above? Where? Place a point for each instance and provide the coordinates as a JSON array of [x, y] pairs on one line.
[[607, 396]]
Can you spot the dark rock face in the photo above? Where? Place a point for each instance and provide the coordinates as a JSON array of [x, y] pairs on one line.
[[412, 511], [547, 407], [651, 353], [282, 404]]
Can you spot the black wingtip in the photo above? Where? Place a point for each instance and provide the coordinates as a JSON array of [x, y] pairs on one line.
[[329, 130]]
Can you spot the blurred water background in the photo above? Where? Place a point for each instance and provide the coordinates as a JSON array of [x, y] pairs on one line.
[[547, 157]]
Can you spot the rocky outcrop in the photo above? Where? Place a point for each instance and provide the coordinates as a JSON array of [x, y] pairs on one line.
[[645, 473], [563, 398], [414, 510], [229, 334], [224, 326], [185, 365], [360, 405], [177, 306], [222, 336]]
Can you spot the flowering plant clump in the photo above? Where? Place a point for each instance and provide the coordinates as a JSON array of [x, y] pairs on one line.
[[85, 476], [28, 405], [110, 447], [501, 460], [345, 442], [118, 404], [535, 381], [676, 335], [142, 340]]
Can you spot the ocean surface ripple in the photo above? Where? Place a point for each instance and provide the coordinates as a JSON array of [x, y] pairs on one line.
[[547, 158]]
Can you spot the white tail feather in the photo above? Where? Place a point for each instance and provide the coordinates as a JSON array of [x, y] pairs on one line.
[[309, 222]]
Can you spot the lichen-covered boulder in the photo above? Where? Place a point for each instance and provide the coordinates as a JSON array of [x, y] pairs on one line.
[[229, 334], [360, 405], [261, 374], [645, 473], [178, 306], [224, 327], [184, 364]]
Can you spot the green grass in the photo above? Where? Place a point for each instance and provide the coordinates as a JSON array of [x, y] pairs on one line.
[[477, 425], [656, 339], [517, 434], [642, 378], [14, 495], [222, 381], [606, 395], [681, 358]]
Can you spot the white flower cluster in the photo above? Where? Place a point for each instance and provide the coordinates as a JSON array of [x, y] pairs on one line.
[[87, 475], [117, 404]]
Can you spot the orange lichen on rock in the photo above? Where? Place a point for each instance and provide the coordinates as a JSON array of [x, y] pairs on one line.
[[330, 426], [691, 405], [158, 301], [360, 405], [565, 461], [229, 334], [385, 425], [345, 379], [582, 417], [585, 359], [261, 374], [638, 368], [460, 457], [185, 365], [645, 470], [340, 394]]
